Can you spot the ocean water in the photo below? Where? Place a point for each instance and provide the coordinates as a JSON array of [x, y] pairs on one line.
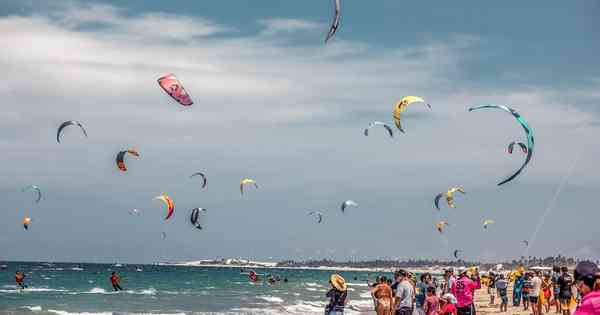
[[69, 289]]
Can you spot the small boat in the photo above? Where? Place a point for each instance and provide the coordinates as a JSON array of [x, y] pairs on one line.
[[118, 265]]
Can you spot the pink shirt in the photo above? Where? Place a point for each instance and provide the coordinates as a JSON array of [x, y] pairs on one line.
[[432, 304], [590, 304], [463, 289]]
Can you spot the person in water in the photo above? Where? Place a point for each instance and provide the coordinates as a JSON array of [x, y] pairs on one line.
[[114, 280], [20, 279], [337, 295], [384, 297]]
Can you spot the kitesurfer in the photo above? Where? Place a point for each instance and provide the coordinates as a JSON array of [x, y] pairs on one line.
[[20, 279], [114, 280]]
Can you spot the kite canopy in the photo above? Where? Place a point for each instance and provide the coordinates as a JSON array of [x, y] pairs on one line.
[[487, 222], [528, 133], [203, 178], [26, 222], [347, 204], [440, 226], [379, 123], [247, 181], [526, 242], [170, 84], [168, 202], [121, 158], [195, 217], [336, 20], [134, 211], [402, 105], [36, 189], [449, 197], [456, 253], [522, 145], [66, 124], [318, 215]]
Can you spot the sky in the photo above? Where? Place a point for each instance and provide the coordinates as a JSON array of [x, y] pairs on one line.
[[276, 104]]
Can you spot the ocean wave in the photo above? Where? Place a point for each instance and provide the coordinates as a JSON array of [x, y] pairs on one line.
[[36, 308], [18, 290], [273, 299], [312, 284], [357, 284], [60, 312]]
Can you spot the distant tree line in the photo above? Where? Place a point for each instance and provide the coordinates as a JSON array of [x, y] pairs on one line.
[[425, 263]]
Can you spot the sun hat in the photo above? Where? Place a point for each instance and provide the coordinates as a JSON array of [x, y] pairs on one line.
[[338, 282], [449, 297]]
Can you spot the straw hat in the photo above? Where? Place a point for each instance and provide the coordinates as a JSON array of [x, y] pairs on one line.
[[338, 282]]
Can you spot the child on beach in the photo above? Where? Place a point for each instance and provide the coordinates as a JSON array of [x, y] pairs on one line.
[[502, 286], [432, 303], [447, 305]]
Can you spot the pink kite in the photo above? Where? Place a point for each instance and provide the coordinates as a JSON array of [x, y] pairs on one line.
[[173, 87]]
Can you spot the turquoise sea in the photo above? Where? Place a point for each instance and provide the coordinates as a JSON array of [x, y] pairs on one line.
[[84, 289]]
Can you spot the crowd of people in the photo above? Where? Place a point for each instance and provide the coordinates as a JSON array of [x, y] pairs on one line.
[[454, 294]]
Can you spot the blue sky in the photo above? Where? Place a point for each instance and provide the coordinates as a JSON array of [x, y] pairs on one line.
[[275, 104]]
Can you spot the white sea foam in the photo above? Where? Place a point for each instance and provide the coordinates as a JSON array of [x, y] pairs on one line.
[[356, 284], [273, 299], [36, 308]]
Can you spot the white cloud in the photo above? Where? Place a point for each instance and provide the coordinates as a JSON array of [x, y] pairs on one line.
[[263, 107]]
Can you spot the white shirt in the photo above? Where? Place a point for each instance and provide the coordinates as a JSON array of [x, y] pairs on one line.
[[537, 285]]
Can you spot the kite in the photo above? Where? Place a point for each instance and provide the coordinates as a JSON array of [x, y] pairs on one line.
[[318, 215], [521, 144], [36, 189], [134, 211], [449, 197], [195, 217], [203, 178], [247, 181], [347, 204], [379, 123], [526, 128], [487, 222], [69, 123], [336, 20], [26, 222], [456, 253], [401, 106], [440, 226], [168, 202], [526, 243], [174, 88], [164, 235], [121, 156]]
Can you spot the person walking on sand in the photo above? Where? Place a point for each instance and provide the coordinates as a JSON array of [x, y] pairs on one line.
[[534, 296], [115, 280], [464, 290], [384, 297], [502, 287], [527, 286], [587, 281], [492, 287], [518, 288], [405, 294], [337, 295]]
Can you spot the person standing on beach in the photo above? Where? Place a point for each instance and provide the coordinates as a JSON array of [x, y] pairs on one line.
[[421, 292], [587, 281], [337, 295], [527, 287], [502, 287], [114, 280], [556, 287], [447, 305], [492, 287], [405, 294], [432, 303], [463, 289], [518, 288], [534, 296], [449, 280], [546, 293], [565, 282], [384, 297]]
